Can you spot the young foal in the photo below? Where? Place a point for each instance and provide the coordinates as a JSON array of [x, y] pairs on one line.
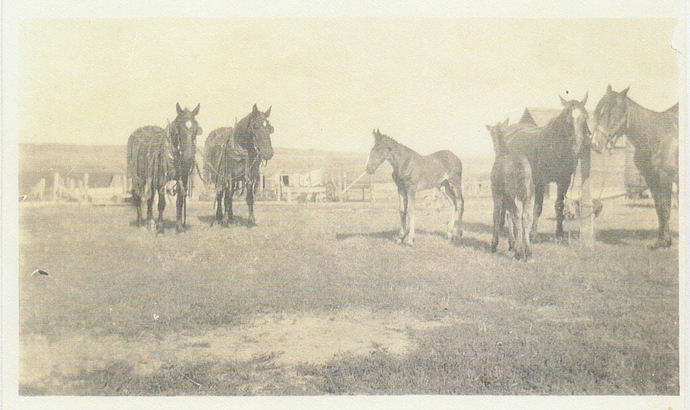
[[511, 180], [413, 172]]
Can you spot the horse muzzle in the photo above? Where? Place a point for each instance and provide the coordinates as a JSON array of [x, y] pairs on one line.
[[599, 141]]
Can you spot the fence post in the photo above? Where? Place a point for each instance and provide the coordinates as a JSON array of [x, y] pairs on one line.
[[86, 186], [56, 186], [586, 207]]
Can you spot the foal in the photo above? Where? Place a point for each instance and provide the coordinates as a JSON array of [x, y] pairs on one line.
[[511, 183], [413, 172]]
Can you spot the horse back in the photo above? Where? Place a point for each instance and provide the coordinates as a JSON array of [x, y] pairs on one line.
[[138, 145], [450, 160], [213, 148], [511, 176]]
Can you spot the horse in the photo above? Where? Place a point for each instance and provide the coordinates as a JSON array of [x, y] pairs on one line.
[[553, 152], [156, 156], [233, 157], [511, 183], [413, 172], [655, 138]]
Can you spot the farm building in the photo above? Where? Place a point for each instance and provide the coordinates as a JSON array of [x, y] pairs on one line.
[[72, 172]]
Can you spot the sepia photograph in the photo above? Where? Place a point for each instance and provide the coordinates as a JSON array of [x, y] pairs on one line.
[[232, 207]]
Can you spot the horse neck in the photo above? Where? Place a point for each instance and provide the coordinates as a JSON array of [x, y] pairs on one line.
[[241, 135], [641, 128], [400, 154]]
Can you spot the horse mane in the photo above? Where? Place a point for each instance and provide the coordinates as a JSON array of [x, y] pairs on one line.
[[558, 125], [240, 132], [392, 142]]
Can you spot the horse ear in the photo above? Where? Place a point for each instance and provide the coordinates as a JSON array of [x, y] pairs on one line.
[[179, 110], [506, 121], [609, 89], [489, 127], [268, 111], [255, 109], [584, 101], [563, 101], [624, 93], [196, 110]]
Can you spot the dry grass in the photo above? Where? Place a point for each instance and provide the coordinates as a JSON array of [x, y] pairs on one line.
[[226, 311]]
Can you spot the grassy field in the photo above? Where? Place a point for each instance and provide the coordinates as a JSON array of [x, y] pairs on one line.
[[319, 299]]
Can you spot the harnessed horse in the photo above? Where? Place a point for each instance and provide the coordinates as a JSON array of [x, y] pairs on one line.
[[655, 138], [156, 156], [233, 157]]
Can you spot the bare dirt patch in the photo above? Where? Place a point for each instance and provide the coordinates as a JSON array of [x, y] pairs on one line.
[[290, 339]]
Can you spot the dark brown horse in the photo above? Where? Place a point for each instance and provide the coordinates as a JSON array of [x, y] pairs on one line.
[[511, 188], [553, 152], [413, 172], [156, 156], [655, 138], [233, 158]]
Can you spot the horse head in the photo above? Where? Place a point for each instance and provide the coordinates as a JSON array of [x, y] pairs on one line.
[[259, 131], [610, 119], [575, 116], [379, 153], [183, 132], [498, 137]]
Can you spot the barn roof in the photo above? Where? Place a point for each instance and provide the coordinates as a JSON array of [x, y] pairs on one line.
[[538, 116]]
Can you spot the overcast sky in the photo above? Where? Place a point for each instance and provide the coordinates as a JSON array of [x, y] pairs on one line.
[[430, 83]]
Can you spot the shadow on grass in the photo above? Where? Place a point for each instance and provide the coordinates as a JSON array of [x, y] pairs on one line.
[[167, 225], [390, 235], [622, 236], [393, 237], [477, 227], [210, 220]]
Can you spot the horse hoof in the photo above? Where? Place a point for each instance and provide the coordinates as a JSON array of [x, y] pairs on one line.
[[492, 250]]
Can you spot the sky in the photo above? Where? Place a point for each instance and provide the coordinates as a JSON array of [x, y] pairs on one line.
[[430, 83]]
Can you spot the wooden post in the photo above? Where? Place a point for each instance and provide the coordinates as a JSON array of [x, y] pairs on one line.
[[586, 208], [86, 186], [280, 186], [56, 186]]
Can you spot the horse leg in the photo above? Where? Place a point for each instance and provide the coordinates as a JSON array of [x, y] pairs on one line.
[[229, 193], [250, 204], [662, 195], [403, 213], [538, 204], [136, 199], [560, 206], [527, 207], [161, 208], [149, 210], [219, 204], [454, 193], [499, 218], [448, 192], [181, 202], [409, 238], [661, 189]]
